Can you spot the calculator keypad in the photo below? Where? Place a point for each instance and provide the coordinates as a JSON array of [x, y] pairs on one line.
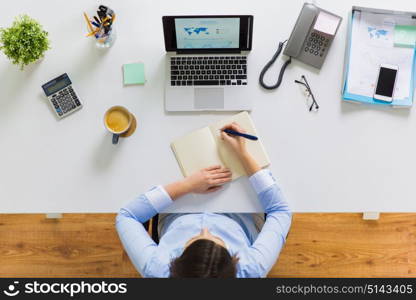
[[316, 44], [65, 101]]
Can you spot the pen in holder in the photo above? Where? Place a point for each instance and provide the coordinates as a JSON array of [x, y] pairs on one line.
[[102, 27]]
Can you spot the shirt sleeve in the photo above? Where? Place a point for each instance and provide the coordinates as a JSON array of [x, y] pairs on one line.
[[135, 239], [270, 241]]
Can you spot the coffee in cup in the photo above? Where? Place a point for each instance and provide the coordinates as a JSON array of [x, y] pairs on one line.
[[118, 120]]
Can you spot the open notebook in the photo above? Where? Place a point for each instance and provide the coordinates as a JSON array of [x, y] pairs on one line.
[[203, 148]]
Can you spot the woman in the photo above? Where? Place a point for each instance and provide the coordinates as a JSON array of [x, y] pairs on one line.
[[207, 245]]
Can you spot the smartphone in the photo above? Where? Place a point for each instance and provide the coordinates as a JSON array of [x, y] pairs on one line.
[[386, 82]]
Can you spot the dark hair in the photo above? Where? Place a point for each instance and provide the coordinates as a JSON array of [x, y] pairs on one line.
[[204, 259]]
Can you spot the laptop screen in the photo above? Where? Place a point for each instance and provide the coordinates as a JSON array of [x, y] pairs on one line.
[[211, 33]]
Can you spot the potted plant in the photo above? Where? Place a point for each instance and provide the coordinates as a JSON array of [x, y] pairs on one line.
[[24, 42]]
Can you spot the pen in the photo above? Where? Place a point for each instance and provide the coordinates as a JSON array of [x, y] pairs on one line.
[[247, 136], [97, 20], [101, 14]]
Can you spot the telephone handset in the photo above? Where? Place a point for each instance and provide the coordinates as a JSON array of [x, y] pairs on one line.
[[309, 41]]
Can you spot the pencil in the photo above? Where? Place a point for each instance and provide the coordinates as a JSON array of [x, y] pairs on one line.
[[93, 32], [88, 22]]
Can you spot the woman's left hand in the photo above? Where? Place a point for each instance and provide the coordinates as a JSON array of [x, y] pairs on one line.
[[208, 180]]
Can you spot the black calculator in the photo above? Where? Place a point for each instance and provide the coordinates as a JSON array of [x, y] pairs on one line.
[[62, 96]]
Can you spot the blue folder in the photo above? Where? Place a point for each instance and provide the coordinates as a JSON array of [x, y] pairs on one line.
[[408, 101]]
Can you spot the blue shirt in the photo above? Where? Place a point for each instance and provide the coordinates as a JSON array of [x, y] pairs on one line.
[[257, 252]]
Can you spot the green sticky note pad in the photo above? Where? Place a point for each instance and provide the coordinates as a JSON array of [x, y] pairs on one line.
[[134, 73], [404, 36]]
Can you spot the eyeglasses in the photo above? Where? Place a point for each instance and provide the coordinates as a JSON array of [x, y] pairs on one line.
[[304, 82]]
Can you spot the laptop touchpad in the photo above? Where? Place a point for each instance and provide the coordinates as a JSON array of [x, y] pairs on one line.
[[209, 98]]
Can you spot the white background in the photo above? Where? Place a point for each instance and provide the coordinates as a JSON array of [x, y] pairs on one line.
[[345, 158]]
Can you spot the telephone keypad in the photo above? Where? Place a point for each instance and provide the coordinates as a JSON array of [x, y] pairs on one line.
[[316, 44]]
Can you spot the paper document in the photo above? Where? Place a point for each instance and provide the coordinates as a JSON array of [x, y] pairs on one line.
[[372, 44]]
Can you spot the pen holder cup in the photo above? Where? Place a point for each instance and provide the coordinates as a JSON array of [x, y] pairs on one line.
[[106, 40]]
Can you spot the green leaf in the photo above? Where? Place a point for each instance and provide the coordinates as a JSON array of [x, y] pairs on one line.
[[24, 42]]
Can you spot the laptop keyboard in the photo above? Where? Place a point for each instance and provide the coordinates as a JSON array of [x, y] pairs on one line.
[[208, 70]]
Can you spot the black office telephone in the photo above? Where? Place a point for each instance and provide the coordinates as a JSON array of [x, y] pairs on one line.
[[309, 41]]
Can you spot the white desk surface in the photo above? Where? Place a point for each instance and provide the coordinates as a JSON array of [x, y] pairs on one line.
[[345, 158]]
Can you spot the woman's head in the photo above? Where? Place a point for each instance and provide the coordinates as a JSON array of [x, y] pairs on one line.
[[204, 256]]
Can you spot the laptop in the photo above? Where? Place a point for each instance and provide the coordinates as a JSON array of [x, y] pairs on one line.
[[206, 66]]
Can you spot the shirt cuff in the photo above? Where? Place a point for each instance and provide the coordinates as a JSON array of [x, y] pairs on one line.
[[262, 180], [159, 198]]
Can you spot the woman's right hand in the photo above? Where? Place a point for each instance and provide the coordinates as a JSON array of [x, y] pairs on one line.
[[237, 143]]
